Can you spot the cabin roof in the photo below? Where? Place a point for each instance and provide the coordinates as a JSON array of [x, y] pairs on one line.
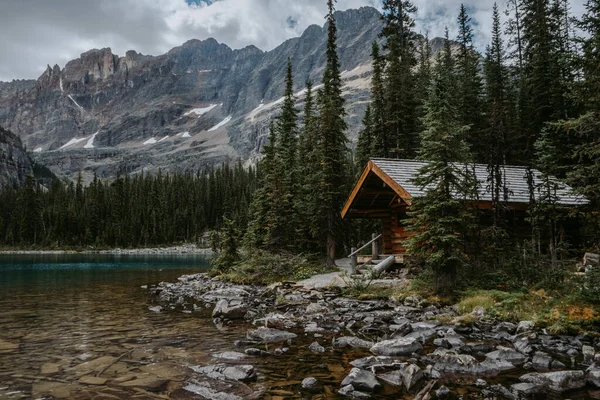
[[398, 176]]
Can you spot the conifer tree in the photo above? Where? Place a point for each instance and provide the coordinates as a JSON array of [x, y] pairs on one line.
[[401, 101], [381, 140], [309, 159], [437, 218], [332, 143], [499, 110], [365, 141], [423, 76], [286, 165], [469, 85]]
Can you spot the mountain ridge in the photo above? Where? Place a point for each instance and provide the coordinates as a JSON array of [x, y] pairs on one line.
[[104, 113]]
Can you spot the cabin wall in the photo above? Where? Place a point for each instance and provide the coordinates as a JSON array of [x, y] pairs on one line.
[[394, 234]]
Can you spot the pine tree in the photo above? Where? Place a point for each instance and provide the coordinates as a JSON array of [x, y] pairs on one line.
[[423, 77], [499, 110], [437, 218], [309, 159], [400, 96], [381, 141], [365, 141], [469, 85], [332, 143], [286, 165]]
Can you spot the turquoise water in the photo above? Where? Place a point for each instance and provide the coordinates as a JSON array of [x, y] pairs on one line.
[[46, 272]]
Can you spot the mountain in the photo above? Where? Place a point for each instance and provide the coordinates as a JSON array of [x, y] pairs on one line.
[[15, 164], [199, 104]]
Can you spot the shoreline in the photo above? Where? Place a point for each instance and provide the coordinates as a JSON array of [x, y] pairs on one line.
[[172, 250]]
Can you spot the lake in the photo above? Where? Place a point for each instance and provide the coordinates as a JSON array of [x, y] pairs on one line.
[[63, 315]]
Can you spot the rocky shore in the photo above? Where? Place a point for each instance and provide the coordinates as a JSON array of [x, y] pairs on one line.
[[181, 249], [388, 349]]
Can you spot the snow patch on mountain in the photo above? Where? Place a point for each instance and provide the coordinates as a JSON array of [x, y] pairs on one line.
[[220, 124]]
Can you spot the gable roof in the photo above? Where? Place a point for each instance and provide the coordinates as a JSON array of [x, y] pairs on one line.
[[399, 175]]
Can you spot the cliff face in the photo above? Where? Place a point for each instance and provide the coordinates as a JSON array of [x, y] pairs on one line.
[[15, 164], [199, 104]]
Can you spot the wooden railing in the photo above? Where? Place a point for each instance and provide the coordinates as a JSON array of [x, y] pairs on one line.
[[375, 251]]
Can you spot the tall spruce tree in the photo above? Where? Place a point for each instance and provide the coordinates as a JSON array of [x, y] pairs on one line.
[[381, 140], [365, 141], [400, 96], [309, 160], [332, 143], [286, 153], [499, 111], [469, 85], [437, 218]]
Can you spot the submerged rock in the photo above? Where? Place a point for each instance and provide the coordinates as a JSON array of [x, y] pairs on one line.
[[269, 335], [309, 383], [560, 381], [348, 391], [352, 341], [361, 380], [397, 347], [222, 310]]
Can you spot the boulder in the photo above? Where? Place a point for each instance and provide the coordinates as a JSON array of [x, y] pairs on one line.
[[593, 376], [588, 354], [361, 380], [524, 389], [508, 327], [316, 308], [230, 355], [411, 376], [560, 381], [352, 341], [373, 361], [348, 391], [397, 347], [442, 392], [542, 361], [222, 310], [452, 363], [269, 335], [525, 326], [234, 372], [506, 354], [591, 259]]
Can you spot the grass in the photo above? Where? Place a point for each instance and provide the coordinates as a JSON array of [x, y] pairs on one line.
[[264, 268]]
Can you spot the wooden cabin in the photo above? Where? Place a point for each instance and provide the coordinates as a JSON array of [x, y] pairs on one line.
[[385, 190]]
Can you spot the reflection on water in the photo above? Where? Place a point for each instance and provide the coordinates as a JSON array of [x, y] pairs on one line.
[[78, 326]]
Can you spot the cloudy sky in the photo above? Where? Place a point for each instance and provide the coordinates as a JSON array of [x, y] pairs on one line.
[[34, 33]]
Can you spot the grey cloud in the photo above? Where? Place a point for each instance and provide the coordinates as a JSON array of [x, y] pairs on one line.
[[34, 33]]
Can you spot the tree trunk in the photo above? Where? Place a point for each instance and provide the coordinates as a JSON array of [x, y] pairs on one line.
[[445, 278], [330, 250]]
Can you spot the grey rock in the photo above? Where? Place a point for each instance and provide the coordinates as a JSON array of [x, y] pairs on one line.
[[588, 354], [316, 308], [480, 383], [523, 346], [269, 335], [414, 300], [222, 310], [230, 355], [371, 361], [352, 341], [309, 383], [542, 361], [131, 98], [442, 392], [508, 327], [593, 376], [361, 380], [256, 352], [525, 326], [560, 381], [411, 375], [506, 354], [422, 335], [235, 372], [524, 389], [315, 347], [15, 164], [397, 347], [348, 391], [464, 364]]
